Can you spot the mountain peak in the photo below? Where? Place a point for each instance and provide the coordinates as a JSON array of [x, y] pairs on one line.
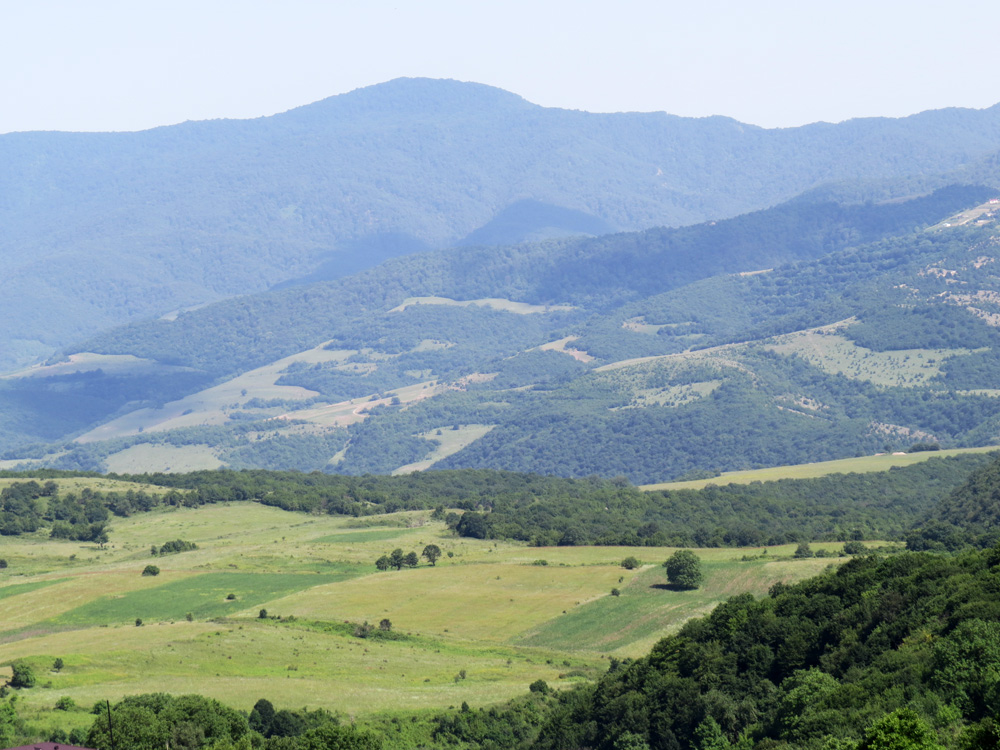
[[416, 96]]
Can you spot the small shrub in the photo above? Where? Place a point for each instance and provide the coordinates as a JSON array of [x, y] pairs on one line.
[[630, 563], [803, 551], [615, 592], [189, 617], [65, 704], [540, 686], [230, 597], [138, 622], [385, 625], [854, 548], [151, 570], [540, 562], [262, 614], [58, 664], [3, 563]]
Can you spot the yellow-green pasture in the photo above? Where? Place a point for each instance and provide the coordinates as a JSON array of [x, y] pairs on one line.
[[490, 608], [146, 457], [497, 303], [859, 465], [838, 355], [291, 664], [449, 441], [647, 609]]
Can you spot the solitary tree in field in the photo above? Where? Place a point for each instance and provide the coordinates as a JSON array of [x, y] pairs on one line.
[[383, 563], [432, 552], [684, 569], [22, 675]]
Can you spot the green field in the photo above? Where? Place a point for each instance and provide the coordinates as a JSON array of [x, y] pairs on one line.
[[490, 608], [505, 305], [837, 355], [859, 465]]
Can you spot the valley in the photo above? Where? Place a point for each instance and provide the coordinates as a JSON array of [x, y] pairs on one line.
[[486, 607]]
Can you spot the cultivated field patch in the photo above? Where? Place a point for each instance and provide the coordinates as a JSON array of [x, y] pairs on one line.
[[839, 355], [858, 465], [449, 441], [506, 305]]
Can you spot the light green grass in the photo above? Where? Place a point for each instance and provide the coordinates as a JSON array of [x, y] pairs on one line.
[[209, 406], [110, 364], [837, 355], [562, 345], [646, 610], [370, 535], [449, 441], [520, 308], [292, 665], [859, 465], [147, 457], [487, 609], [76, 485]]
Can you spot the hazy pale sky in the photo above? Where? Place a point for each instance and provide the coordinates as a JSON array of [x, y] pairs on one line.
[[135, 64]]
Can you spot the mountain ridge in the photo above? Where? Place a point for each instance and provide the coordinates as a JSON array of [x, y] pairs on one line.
[[112, 227], [504, 357]]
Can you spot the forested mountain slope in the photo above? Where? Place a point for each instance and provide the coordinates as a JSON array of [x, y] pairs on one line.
[[112, 227], [826, 331]]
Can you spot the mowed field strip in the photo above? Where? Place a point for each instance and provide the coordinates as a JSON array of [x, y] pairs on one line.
[[859, 465], [490, 608]]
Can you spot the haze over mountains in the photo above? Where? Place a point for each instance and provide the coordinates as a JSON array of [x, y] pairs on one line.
[[107, 228], [857, 316]]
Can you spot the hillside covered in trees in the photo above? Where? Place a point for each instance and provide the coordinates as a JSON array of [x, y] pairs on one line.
[[801, 333], [900, 503]]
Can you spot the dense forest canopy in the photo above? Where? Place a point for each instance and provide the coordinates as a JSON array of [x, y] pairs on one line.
[[906, 502]]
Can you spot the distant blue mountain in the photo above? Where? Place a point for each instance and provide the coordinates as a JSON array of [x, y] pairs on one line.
[[100, 229]]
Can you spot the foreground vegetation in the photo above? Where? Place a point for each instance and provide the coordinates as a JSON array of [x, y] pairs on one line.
[[324, 620]]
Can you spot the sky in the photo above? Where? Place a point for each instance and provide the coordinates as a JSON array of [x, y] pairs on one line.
[[136, 64]]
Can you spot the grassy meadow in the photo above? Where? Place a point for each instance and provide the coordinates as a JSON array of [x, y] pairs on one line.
[[489, 610], [858, 465]]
